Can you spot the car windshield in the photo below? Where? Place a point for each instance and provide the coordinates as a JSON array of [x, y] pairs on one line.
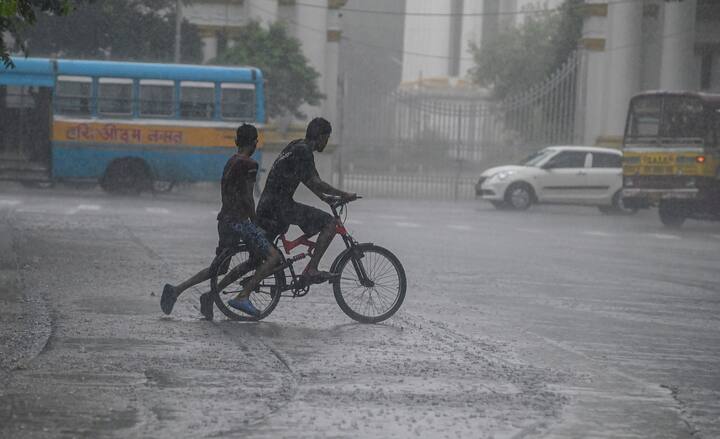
[[536, 157]]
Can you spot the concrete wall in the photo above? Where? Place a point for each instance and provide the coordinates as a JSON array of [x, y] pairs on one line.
[[427, 40]]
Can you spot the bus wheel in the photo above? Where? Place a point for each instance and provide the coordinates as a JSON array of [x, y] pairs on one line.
[[163, 186], [672, 214], [127, 176]]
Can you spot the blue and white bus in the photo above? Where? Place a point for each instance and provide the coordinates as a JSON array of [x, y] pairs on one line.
[[123, 124]]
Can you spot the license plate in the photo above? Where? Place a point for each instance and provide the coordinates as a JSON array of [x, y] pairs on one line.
[[658, 160]]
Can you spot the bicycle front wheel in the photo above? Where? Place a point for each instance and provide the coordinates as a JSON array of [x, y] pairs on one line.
[[372, 283], [230, 271]]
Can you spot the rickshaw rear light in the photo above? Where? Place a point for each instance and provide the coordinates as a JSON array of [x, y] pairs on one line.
[[700, 159]]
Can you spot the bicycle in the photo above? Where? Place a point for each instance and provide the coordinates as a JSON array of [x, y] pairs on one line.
[[370, 287]]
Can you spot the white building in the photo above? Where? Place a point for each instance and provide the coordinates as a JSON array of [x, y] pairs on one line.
[[630, 47], [314, 22], [438, 34]]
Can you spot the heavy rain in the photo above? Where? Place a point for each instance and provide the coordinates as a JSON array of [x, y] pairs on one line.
[[360, 218]]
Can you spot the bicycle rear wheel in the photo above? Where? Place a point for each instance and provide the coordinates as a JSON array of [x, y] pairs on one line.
[[376, 295], [229, 272]]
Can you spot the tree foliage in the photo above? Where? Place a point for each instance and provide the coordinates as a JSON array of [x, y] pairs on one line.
[[16, 15], [522, 56], [137, 30], [291, 81]]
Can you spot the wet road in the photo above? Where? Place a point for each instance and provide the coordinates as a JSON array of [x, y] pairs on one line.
[[557, 322]]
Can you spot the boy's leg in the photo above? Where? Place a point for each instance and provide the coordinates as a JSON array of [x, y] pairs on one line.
[[313, 220], [260, 247], [171, 293], [261, 273]]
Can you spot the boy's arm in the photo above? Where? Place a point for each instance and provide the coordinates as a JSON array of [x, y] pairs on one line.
[[321, 189], [249, 199]]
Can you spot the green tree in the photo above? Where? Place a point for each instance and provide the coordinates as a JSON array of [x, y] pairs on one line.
[[291, 81], [522, 56], [16, 15], [133, 30]]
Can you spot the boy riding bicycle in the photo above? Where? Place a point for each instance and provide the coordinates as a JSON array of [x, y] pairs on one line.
[[277, 209]]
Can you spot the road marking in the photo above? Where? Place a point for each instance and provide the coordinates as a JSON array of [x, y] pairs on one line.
[[597, 233], [158, 210], [522, 229], [664, 236], [86, 207], [411, 225], [10, 202], [716, 236], [459, 227]]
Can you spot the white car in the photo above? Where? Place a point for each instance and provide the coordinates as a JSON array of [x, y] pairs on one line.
[[557, 174]]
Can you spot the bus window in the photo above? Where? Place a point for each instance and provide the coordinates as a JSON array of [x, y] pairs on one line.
[[73, 95], [115, 97], [157, 98], [683, 118], [237, 101], [197, 100], [645, 117]]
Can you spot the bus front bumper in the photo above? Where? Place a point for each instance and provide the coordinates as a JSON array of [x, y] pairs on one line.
[[653, 196]]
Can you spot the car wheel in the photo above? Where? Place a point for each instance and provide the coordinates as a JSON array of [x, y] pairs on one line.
[[519, 196]]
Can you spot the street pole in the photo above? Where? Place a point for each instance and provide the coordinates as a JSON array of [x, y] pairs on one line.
[[178, 29], [342, 79]]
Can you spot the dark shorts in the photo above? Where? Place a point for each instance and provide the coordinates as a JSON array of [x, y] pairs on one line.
[[231, 234], [275, 218]]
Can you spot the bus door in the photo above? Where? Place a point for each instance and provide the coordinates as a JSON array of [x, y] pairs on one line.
[[25, 122]]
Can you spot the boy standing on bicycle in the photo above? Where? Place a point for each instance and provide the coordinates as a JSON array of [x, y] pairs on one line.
[[236, 223]]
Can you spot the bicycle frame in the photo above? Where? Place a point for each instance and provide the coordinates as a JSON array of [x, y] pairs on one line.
[[297, 285]]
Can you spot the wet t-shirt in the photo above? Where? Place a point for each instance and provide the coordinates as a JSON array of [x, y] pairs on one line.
[[236, 186], [294, 165]]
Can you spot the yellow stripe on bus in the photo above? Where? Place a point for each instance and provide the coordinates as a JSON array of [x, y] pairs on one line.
[[123, 133]]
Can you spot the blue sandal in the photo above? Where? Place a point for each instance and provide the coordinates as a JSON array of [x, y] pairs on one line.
[[245, 306]]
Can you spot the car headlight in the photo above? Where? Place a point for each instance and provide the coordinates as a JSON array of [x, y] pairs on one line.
[[500, 176]]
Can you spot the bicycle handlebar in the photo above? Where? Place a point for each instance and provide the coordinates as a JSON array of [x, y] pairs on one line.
[[336, 201]]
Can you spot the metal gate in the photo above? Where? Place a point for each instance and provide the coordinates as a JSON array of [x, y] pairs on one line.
[[432, 142]]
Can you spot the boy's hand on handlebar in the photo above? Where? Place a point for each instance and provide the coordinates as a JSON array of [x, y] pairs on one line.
[[347, 196]]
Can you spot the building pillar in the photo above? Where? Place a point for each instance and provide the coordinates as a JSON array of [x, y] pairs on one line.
[[624, 64], [311, 30], [678, 68], [591, 96], [332, 56]]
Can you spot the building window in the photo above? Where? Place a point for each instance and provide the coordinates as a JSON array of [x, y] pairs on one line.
[[115, 96], [73, 95], [157, 98]]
